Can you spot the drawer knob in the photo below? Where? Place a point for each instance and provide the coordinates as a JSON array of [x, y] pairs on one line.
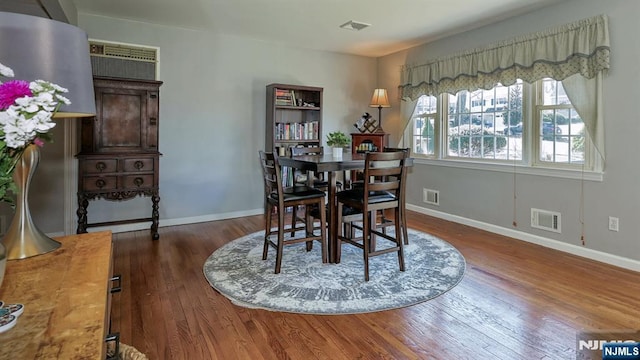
[[100, 183], [138, 181], [100, 166], [138, 165]]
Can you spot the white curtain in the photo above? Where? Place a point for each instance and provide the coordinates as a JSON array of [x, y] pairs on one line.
[[575, 53], [586, 97]]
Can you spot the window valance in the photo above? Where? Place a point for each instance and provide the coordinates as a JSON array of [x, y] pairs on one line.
[[581, 47]]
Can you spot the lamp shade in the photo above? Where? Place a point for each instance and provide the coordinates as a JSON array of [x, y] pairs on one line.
[[37, 48], [380, 98]]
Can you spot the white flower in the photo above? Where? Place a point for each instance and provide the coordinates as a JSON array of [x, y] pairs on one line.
[[5, 71], [29, 116]]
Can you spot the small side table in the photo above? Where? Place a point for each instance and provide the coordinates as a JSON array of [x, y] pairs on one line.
[[373, 142], [379, 140]]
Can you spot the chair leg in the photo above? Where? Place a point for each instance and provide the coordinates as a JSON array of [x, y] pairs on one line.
[[294, 217], [373, 224], [323, 232], [337, 241], [280, 241], [399, 241], [403, 221], [267, 230], [308, 226], [366, 234]]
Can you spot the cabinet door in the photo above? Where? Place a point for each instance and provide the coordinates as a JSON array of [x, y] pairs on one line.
[[121, 119]]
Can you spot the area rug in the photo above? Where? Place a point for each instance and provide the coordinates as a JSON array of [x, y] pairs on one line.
[[305, 285]]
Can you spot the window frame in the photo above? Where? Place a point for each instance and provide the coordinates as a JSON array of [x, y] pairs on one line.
[[590, 169]]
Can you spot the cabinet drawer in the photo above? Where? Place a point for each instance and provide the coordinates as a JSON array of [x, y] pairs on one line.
[[138, 165], [137, 181], [99, 166], [93, 183]]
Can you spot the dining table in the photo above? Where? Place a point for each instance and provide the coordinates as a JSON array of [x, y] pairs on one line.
[[327, 163]]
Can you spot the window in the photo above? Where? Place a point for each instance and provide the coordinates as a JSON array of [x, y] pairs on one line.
[[533, 125], [477, 132], [561, 137], [424, 124]]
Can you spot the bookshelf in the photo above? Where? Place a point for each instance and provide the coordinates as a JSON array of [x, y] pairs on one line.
[[294, 117]]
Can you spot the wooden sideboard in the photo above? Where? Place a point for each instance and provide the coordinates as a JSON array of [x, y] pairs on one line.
[[66, 297]]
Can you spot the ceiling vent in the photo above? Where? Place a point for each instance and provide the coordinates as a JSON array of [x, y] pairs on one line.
[[354, 25]]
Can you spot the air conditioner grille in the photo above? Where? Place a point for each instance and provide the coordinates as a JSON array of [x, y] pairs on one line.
[[430, 196], [123, 51], [124, 60], [546, 220]]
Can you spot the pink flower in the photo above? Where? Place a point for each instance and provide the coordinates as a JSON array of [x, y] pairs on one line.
[[12, 90], [39, 142]]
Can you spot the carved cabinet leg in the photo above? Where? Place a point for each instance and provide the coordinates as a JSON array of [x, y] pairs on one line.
[[83, 203], [155, 215]]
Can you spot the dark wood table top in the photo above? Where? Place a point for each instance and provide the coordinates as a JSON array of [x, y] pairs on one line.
[[328, 163]]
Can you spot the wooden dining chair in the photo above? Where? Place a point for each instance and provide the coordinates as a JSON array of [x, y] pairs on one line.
[[383, 189], [319, 180], [384, 221], [278, 199]]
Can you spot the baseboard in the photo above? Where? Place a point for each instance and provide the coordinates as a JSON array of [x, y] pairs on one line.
[[600, 256], [179, 221]]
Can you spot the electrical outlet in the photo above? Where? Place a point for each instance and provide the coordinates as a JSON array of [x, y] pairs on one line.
[[614, 223]]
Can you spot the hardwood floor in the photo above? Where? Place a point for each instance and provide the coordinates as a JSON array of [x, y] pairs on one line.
[[516, 301]]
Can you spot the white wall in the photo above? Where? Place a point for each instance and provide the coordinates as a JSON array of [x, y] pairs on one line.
[[485, 197], [212, 113]]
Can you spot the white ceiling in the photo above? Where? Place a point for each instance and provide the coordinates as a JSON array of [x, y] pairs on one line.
[[314, 24]]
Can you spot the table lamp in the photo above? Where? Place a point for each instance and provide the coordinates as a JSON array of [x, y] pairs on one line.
[[40, 48], [379, 100]]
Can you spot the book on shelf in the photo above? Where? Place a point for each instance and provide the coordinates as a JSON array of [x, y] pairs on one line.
[[284, 97], [296, 131]]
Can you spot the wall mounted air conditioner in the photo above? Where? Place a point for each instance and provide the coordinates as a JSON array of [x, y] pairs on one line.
[[124, 60]]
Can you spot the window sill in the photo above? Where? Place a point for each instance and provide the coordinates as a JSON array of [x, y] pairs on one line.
[[519, 169]]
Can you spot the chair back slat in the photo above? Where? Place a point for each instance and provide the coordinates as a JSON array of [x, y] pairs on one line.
[[271, 174], [384, 171]]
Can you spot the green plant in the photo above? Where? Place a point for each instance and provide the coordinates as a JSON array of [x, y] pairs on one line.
[[337, 139]]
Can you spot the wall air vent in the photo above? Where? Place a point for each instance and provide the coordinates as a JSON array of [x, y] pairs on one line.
[[431, 196], [545, 220], [123, 60]]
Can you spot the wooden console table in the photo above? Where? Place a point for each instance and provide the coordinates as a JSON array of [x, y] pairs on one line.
[[66, 300]]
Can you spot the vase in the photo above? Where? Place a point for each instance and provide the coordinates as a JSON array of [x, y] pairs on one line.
[[337, 152], [24, 239]]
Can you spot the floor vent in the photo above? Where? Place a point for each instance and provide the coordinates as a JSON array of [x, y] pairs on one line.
[[545, 220], [431, 196]]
